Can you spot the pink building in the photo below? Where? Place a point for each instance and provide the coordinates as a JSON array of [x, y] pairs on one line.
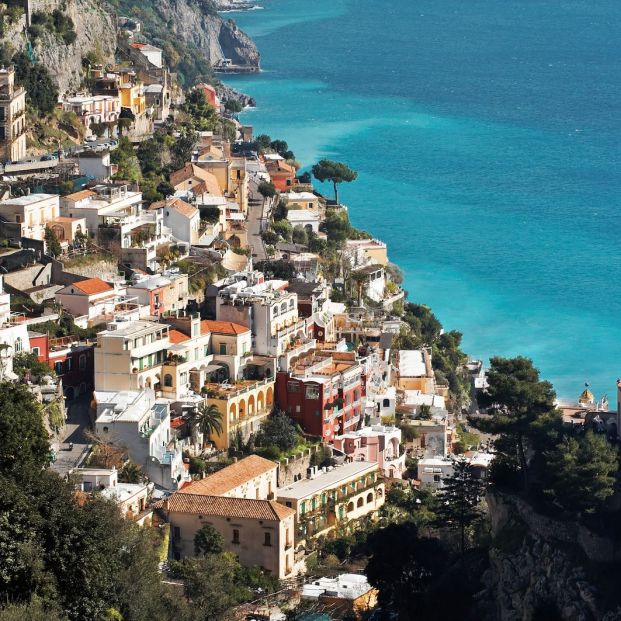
[[378, 444]]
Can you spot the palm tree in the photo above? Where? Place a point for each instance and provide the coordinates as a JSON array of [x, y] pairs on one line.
[[207, 419], [359, 278]]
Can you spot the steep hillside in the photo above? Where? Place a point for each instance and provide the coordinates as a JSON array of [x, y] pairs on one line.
[[192, 35], [95, 35]]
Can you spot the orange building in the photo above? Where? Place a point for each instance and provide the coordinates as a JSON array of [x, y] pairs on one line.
[[210, 94]]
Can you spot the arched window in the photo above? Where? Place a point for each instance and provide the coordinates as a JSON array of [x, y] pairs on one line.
[[291, 303], [168, 380], [18, 345], [370, 497], [360, 502], [275, 311], [283, 307], [350, 507], [82, 362], [386, 403]]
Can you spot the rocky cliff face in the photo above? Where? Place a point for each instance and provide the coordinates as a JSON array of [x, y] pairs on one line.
[[95, 32], [541, 568], [214, 37]]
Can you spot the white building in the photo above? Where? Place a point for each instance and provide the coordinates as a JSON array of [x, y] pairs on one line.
[[93, 109], [97, 165], [181, 218], [140, 423], [268, 309], [33, 212], [305, 218]]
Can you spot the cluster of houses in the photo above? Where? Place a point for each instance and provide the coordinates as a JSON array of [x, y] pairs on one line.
[[247, 344], [244, 343]]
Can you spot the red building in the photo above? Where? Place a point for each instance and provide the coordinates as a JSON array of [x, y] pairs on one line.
[[73, 362], [281, 174], [322, 393]]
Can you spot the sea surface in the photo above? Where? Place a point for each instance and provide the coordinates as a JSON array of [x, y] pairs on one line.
[[487, 139]]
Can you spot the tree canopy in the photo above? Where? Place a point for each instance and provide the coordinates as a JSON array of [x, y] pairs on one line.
[[520, 411], [581, 472], [336, 172], [25, 441]]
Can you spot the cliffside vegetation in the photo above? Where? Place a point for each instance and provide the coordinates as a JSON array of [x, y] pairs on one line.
[[182, 55]]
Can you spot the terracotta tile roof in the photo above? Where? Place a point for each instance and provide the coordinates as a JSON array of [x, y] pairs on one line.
[[192, 171], [279, 166], [222, 327], [176, 336], [231, 477], [78, 196], [90, 286], [182, 502], [182, 207]]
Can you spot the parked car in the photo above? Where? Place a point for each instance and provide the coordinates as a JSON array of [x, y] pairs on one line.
[[91, 139]]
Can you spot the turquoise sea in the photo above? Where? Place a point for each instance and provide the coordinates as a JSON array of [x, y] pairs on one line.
[[487, 138]]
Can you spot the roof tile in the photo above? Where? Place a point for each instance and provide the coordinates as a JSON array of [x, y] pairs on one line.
[[231, 477], [182, 502]]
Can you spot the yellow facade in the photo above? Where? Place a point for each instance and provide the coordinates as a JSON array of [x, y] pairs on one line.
[[243, 409], [132, 97]]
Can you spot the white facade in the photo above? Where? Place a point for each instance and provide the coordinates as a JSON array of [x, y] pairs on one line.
[[96, 165], [141, 424], [32, 212], [268, 309], [308, 220]]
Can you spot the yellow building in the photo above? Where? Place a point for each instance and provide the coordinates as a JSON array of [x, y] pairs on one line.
[[132, 97], [330, 497], [238, 502], [243, 406]]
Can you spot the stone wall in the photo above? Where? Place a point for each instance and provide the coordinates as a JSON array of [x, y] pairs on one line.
[[294, 468]]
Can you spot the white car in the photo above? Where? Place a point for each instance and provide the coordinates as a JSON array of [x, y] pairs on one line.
[[91, 139]]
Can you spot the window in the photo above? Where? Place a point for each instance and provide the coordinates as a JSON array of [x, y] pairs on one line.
[[302, 508], [235, 536], [58, 367], [436, 478], [87, 486], [312, 392], [223, 349], [36, 351], [268, 539], [168, 380], [18, 345], [386, 403], [293, 387], [68, 365], [82, 362]]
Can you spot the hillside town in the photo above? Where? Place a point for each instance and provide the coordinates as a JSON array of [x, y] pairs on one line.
[[216, 350]]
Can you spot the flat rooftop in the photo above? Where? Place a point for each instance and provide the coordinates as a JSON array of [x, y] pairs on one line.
[[29, 199], [123, 491], [325, 480], [134, 328]]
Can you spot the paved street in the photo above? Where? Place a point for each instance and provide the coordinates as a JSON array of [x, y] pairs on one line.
[[255, 221], [77, 422]]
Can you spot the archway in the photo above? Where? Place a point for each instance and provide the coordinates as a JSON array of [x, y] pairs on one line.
[[350, 507], [242, 408], [260, 401], [233, 413], [269, 396], [251, 409], [369, 497], [360, 502]]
